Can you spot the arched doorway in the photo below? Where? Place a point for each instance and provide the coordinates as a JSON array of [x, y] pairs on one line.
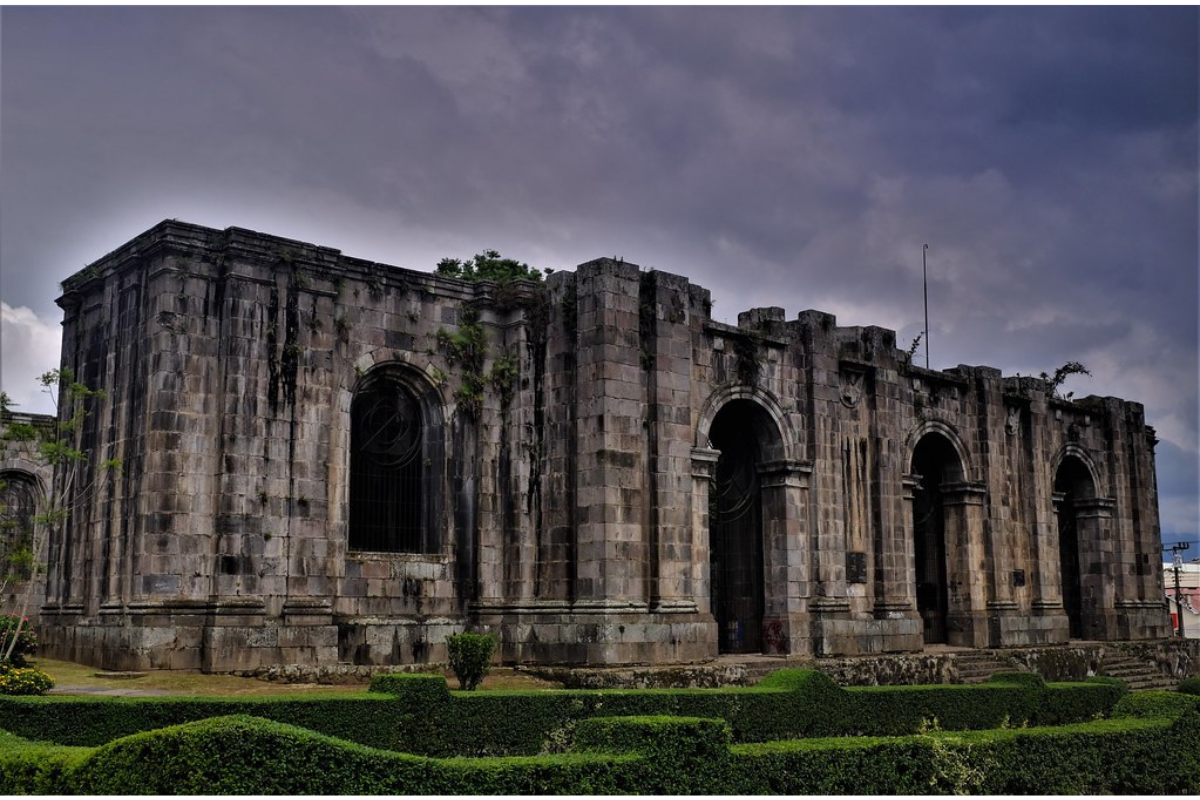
[[1073, 484], [935, 463], [18, 505], [746, 437]]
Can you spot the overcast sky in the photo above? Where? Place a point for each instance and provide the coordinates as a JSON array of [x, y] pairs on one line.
[[777, 156]]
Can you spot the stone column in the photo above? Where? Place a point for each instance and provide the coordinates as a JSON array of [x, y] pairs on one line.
[[785, 486], [966, 617], [1096, 558], [704, 471]]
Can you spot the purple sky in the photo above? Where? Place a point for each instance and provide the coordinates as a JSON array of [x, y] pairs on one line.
[[777, 156]]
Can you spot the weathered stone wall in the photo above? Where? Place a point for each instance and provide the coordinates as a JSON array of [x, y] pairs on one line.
[[25, 483], [567, 472]]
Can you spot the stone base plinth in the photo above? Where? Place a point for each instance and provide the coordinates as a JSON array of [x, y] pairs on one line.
[[561, 635], [840, 634], [380, 640]]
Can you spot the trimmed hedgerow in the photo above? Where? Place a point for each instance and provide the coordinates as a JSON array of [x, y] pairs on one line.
[[1107, 756], [89, 721], [644, 755], [244, 755], [1160, 703], [29, 768], [1189, 686], [417, 714], [1077, 702]]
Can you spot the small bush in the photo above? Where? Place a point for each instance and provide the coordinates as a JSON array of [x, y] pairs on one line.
[[1163, 704], [1189, 686], [23, 680], [470, 657], [1030, 679], [26, 639]]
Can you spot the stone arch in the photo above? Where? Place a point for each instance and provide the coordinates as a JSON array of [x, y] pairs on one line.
[[789, 441], [1071, 450], [947, 432], [395, 462], [747, 447], [1080, 516], [20, 490]]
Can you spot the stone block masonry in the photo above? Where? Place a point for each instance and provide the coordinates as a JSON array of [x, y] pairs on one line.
[[329, 460]]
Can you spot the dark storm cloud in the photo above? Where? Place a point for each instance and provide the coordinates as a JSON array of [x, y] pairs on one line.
[[777, 156]]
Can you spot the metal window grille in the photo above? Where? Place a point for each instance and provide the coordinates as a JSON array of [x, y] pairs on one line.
[[388, 473]]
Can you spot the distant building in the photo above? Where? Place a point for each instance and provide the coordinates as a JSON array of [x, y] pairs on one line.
[[328, 459], [1189, 586]]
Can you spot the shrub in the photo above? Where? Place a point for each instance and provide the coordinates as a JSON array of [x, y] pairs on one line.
[[641, 755], [1031, 679], [23, 680], [470, 657], [1189, 686], [1163, 704], [416, 713], [26, 639]]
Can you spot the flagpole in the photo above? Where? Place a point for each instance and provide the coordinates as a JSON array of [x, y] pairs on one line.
[[925, 284]]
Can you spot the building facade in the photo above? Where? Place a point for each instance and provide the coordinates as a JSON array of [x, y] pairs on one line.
[[327, 459]]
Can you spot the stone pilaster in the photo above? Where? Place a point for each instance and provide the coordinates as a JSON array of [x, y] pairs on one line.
[[610, 474]]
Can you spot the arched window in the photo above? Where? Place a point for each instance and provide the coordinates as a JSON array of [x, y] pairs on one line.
[[391, 460], [18, 505]]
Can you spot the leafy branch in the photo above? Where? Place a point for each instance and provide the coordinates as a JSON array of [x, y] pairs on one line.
[[61, 447], [1056, 380]]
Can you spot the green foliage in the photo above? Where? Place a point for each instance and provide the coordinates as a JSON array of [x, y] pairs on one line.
[[1060, 375], [488, 266], [1030, 679], [1189, 686], [470, 657], [1074, 702], [417, 714], [59, 446], [467, 348], [1164, 704], [367, 718], [29, 768], [15, 680], [642, 755], [421, 688], [26, 640], [503, 377]]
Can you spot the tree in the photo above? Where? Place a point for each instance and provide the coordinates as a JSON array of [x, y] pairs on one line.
[[488, 266], [60, 446], [1061, 374]]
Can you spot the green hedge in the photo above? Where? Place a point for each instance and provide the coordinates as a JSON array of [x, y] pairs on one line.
[[641, 755], [1167, 704], [417, 714], [1128, 756], [88, 721]]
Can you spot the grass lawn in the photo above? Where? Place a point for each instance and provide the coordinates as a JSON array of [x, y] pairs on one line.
[[67, 674]]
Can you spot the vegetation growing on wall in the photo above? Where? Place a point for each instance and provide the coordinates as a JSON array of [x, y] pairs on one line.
[[747, 351], [467, 349], [488, 266]]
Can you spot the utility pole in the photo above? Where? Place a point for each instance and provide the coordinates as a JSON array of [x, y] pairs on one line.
[[1177, 562]]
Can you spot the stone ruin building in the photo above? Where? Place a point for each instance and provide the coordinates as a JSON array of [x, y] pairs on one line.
[[332, 460]]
